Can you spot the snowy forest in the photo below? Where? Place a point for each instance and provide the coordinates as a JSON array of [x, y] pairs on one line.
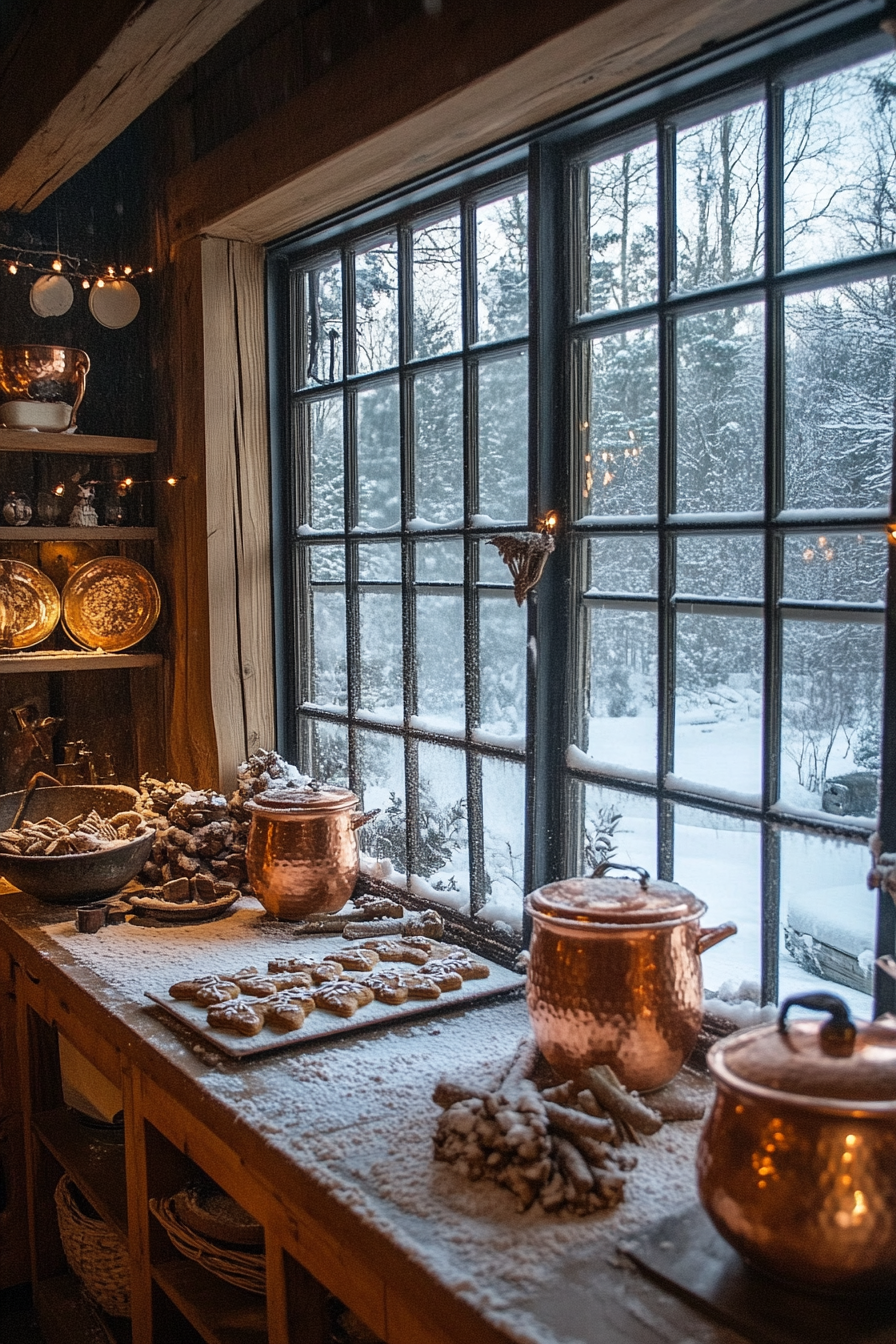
[[837, 383]]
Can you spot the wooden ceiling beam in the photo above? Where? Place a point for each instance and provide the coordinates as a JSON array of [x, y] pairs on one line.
[[75, 76], [433, 90]]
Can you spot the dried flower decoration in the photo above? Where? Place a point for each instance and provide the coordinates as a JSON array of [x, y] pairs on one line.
[[525, 555]]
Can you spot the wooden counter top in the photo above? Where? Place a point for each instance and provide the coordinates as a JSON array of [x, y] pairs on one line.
[[330, 1146]]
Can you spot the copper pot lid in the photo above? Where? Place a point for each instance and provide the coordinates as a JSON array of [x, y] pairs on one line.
[[314, 797], [616, 900], [836, 1060]]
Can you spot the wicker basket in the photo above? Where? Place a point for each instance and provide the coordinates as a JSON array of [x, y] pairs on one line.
[[94, 1251], [244, 1268]]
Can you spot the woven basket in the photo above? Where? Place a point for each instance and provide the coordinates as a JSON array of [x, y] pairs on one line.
[[94, 1251], [246, 1269]]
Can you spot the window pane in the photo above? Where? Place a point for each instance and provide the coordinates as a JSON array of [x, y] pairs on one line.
[[379, 462], [621, 729], [831, 716], [718, 858], [623, 565], [719, 172], [504, 817], [836, 567], [376, 307], [492, 569], [839, 166], [328, 680], [381, 656], [621, 458], [502, 265], [330, 753], [443, 860], [622, 229], [437, 310], [439, 561], [721, 398], [718, 702], [379, 562], [323, 324], [440, 653], [720, 566], [504, 439], [828, 919], [381, 759], [327, 491], [839, 353], [439, 446], [618, 827], [327, 564], [502, 669]]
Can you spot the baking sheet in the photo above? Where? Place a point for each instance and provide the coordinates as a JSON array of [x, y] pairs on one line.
[[319, 1025]]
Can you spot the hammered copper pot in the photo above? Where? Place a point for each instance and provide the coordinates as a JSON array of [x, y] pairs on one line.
[[615, 975], [797, 1161], [302, 853], [46, 374]]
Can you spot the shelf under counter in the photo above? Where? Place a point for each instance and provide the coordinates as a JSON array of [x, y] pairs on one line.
[[71, 660], [219, 1311], [11, 534], [96, 1166], [88, 445]]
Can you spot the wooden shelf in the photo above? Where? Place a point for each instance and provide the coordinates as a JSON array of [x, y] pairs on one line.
[[221, 1312], [65, 1315], [70, 660], [89, 445], [96, 1167], [78, 534]]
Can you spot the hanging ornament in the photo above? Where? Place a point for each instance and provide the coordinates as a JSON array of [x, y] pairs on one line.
[[114, 303], [525, 555], [51, 296]]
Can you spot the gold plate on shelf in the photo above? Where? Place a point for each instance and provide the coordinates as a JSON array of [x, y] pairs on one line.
[[110, 603], [29, 605]]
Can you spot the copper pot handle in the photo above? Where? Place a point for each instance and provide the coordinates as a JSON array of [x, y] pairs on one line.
[[359, 819], [643, 875], [708, 938], [838, 1034], [82, 368]]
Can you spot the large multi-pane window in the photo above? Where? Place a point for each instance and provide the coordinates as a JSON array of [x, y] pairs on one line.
[[697, 685]]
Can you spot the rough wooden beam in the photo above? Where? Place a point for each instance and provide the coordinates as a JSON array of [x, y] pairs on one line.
[[75, 76], [431, 91]]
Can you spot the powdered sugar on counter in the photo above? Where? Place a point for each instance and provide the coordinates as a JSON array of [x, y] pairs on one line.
[[357, 1114]]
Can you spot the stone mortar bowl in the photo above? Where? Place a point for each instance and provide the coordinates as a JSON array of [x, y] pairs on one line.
[[74, 879]]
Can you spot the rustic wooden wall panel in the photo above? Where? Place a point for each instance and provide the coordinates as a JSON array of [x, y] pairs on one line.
[[240, 632], [431, 91]]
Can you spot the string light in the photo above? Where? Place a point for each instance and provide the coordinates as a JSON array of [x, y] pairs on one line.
[[45, 262]]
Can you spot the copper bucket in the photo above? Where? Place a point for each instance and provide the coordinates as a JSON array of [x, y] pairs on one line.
[[302, 853], [39, 377], [615, 976]]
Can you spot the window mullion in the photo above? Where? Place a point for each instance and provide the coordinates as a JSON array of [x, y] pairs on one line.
[[666, 349], [774, 542], [408, 554]]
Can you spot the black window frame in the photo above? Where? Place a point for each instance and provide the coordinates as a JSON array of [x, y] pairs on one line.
[[547, 157]]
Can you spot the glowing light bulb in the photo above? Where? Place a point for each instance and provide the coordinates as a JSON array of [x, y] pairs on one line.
[[128, 480], [149, 270], [110, 270], [13, 268], [127, 270], [85, 284], [57, 265], [172, 480], [59, 489], [100, 284]]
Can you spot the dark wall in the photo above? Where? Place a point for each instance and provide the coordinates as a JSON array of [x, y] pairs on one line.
[[103, 214]]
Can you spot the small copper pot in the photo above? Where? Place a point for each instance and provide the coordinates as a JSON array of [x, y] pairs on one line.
[[615, 975], [797, 1160], [302, 852]]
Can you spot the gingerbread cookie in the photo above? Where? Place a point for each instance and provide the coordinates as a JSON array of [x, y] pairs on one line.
[[286, 1011], [387, 987], [291, 979], [187, 989], [354, 958], [397, 949], [343, 997], [259, 986], [444, 974], [467, 967], [281, 965], [244, 1018], [219, 991]]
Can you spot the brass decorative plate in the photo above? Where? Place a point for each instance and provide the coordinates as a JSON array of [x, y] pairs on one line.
[[110, 603], [29, 605]]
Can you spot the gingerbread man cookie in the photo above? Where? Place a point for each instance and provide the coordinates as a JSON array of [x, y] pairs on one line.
[[239, 1016], [343, 997], [398, 949], [354, 958]]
